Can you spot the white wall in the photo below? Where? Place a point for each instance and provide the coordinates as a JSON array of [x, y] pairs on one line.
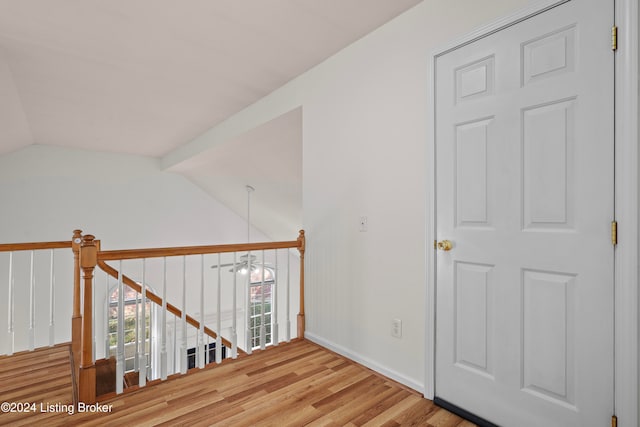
[[365, 133], [364, 137], [365, 114], [126, 201]]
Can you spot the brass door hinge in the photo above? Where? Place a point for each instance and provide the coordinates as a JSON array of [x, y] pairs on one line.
[[614, 233], [614, 421], [614, 38]]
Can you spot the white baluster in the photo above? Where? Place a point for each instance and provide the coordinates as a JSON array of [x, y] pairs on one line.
[[200, 348], [120, 345], [183, 345], [288, 297], [163, 334], [175, 343], [142, 362], [234, 320], [153, 344], [32, 307], [107, 341], [247, 302], [219, 317], [52, 332], [93, 320], [263, 329], [136, 336], [10, 320], [274, 303]]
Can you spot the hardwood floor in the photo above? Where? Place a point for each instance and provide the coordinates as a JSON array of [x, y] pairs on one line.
[[31, 378], [294, 384]]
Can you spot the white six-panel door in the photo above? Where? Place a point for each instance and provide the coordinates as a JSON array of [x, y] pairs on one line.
[[524, 191]]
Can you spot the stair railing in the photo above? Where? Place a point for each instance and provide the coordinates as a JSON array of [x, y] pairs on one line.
[[264, 291], [34, 273]]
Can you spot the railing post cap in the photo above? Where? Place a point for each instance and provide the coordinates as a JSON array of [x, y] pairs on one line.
[[88, 252], [76, 240], [301, 242]]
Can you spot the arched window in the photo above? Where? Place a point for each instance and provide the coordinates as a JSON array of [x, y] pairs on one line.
[[132, 326], [261, 298]]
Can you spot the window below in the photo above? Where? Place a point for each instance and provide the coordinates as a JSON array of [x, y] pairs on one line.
[[132, 315], [261, 298]]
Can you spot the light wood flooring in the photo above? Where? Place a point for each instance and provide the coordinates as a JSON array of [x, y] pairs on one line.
[[43, 375], [294, 384]]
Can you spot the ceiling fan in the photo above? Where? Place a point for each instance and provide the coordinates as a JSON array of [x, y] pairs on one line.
[[242, 266]]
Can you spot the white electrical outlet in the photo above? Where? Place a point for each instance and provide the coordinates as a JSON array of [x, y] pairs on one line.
[[396, 328], [363, 223]]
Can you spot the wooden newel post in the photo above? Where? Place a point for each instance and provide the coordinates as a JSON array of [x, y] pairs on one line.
[[76, 318], [87, 377], [301, 248]]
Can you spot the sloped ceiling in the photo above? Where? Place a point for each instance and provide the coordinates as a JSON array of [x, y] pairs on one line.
[[147, 76], [269, 158]]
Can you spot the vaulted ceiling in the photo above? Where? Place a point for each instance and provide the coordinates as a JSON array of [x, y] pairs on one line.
[[148, 76]]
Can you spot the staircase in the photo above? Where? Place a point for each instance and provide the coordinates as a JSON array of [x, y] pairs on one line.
[[32, 381], [243, 295]]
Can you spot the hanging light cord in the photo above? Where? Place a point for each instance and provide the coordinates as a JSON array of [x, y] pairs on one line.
[[249, 190]]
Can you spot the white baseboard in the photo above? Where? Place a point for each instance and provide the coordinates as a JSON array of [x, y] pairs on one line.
[[409, 382]]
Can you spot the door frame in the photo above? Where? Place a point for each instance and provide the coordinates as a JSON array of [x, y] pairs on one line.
[[627, 162]]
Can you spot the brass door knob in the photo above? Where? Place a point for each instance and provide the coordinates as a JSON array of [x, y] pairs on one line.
[[445, 245]]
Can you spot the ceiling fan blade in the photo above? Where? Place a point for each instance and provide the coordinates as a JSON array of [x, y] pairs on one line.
[[222, 265]]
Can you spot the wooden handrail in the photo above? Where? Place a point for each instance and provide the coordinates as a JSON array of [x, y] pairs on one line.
[[157, 300], [128, 254], [74, 244], [91, 256], [33, 246], [193, 250]]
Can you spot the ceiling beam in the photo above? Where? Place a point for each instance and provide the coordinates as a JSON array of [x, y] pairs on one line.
[[277, 103]]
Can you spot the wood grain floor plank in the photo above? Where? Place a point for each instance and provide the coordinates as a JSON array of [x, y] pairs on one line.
[[444, 419], [293, 384], [344, 413], [394, 412], [379, 406]]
